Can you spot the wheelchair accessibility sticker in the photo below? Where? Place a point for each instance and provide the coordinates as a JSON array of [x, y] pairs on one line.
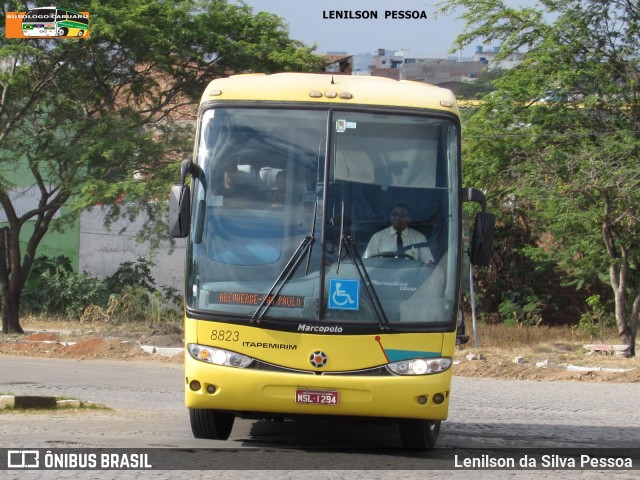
[[344, 294]]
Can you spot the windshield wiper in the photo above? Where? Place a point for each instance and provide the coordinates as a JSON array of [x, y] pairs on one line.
[[304, 249], [352, 251]]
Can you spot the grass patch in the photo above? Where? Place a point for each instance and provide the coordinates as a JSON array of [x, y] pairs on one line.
[[543, 337], [559, 344]]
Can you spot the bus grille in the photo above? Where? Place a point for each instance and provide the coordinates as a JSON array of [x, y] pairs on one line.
[[369, 372]]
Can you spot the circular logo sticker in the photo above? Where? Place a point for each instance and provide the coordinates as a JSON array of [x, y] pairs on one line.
[[318, 359]]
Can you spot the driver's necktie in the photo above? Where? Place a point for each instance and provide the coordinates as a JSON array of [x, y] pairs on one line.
[[399, 241]]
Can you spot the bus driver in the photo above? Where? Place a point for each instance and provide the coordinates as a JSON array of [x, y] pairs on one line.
[[400, 238]]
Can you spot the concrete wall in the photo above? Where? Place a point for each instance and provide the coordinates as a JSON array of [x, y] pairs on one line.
[[102, 251]]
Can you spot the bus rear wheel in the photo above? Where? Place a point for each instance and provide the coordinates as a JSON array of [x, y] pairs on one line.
[[211, 424], [419, 434]]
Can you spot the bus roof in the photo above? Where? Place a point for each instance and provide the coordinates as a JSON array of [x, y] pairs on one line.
[[331, 89]]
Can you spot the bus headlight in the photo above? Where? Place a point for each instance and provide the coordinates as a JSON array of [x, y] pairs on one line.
[[218, 356], [420, 366]]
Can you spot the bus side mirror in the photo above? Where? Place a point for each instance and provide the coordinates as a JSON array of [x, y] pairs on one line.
[[482, 239], [179, 211], [483, 229]]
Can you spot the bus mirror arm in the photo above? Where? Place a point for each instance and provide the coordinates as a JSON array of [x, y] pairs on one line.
[[189, 168], [474, 195], [483, 229], [186, 168]]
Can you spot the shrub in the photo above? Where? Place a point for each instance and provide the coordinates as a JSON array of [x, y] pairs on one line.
[[128, 295], [595, 320], [54, 289], [131, 274]]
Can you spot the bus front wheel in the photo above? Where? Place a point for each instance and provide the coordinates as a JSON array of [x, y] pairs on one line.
[[211, 424], [419, 434]]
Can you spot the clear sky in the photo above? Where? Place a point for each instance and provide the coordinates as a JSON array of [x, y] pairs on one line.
[[433, 36]]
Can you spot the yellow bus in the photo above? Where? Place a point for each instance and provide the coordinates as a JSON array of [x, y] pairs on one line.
[[291, 308]]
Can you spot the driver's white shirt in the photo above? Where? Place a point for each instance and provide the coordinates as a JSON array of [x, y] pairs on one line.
[[386, 241]]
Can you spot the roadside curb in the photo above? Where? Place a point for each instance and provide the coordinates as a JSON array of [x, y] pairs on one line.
[[25, 402], [162, 351]]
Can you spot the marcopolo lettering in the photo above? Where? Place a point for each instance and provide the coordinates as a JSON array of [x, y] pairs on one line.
[[319, 328]]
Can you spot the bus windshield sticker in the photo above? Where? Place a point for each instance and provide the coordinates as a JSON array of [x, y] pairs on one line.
[[255, 299], [344, 294], [342, 125]]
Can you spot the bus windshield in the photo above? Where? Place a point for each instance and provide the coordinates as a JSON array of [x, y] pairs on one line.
[[296, 214]]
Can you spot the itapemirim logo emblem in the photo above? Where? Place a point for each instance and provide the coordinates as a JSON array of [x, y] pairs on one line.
[[47, 22]]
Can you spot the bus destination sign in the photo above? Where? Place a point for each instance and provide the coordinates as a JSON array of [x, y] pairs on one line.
[[255, 299]]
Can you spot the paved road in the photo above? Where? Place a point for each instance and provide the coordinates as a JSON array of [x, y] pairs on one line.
[[146, 411]]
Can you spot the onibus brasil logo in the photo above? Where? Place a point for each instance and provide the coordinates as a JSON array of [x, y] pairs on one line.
[[47, 22]]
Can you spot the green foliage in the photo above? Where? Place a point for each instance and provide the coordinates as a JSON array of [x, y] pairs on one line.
[[132, 274], [596, 320], [521, 308], [557, 145], [129, 295], [105, 118], [483, 85], [54, 289]]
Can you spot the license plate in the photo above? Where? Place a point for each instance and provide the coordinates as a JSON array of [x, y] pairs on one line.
[[317, 397]]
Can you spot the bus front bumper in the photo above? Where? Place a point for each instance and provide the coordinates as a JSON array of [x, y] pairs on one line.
[[250, 391]]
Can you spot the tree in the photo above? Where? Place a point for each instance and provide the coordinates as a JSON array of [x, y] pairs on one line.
[[482, 85], [91, 117], [570, 115]]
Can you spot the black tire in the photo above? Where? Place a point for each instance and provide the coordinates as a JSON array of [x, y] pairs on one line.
[[211, 424], [419, 434]]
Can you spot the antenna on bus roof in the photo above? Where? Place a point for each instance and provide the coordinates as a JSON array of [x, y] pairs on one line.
[[332, 81]]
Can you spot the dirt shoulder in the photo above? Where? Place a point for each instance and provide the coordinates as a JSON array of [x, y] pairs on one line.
[[124, 342], [112, 342]]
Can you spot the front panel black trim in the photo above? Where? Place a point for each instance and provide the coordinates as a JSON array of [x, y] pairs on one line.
[[292, 325]]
